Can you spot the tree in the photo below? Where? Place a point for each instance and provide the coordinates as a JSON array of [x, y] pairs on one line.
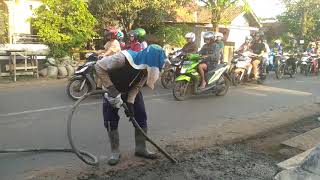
[[133, 13], [3, 23], [216, 8], [302, 18], [64, 25]]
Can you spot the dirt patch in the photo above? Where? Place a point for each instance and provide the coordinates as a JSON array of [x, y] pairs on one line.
[[203, 156], [255, 158], [219, 163]]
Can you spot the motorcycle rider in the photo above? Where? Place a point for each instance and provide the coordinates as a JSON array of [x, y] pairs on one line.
[[311, 48], [133, 43], [258, 48], [219, 39], [120, 37], [246, 46], [112, 46], [126, 73], [210, 52], [141, 35], [191, 46]]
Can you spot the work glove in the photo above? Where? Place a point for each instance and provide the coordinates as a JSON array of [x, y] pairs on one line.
[[115, 102], [130, 111]]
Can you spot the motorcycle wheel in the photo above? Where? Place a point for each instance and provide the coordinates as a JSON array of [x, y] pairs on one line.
[[180, 90], [307, 70], [293, 72], [73, 88], [280, 71], [225, 81], [167, 79], [235, 78]]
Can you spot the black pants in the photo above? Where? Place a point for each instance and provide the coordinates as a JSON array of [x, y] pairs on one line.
[[111, 117]]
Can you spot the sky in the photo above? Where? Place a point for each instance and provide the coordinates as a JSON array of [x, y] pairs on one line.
[[266, 8]]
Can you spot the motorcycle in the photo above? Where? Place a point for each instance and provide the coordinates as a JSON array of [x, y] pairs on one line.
[[84, 80], [187, 83], [309, 64], [171, 70], [239, 68], [241, 71], [286, 65]]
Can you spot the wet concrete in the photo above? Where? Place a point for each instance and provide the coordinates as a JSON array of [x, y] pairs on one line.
[[219, 163]]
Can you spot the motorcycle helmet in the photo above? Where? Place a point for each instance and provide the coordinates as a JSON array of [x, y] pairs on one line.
[[132, 34], [141, 33], [190, 35], [248, 38], [278, 41], [219, 34], [112, 31], [208, 36], [120, 35]]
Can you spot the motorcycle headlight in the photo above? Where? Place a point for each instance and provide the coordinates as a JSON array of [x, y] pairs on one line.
[[88, 55], [183, 70], [82, 70]]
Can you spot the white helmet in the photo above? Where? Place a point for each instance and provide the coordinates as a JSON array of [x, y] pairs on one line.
[[209, 35], [249, 38], [278, 41], [219, 34], [190, 35]]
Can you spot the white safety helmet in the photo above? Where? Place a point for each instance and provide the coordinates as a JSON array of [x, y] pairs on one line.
[[209, 35], [190, 35], [278, 41], [249, 38], [219, 34]]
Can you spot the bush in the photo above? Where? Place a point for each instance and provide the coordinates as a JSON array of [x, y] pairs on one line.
[[172, 34], [64, 25]]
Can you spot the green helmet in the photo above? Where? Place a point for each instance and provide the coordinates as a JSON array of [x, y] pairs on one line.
[[141, 33]]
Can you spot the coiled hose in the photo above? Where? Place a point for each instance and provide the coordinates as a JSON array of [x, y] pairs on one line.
[[85, 156]]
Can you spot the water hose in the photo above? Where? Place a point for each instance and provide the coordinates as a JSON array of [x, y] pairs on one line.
[[85, 156]]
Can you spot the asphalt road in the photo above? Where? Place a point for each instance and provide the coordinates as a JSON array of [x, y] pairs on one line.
[[34, 116]]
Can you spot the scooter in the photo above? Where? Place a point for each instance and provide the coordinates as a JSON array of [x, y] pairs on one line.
[[286, 65], [84, 79], [187, 83], [171, 70], [241, 68]]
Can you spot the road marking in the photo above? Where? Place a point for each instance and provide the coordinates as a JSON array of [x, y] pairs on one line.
[[69, 106]]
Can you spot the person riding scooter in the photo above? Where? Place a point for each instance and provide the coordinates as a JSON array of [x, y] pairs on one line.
[[259, 49], [210, 52], [141, 35], [191, 46], [120, 37], [133, 43], [123, 75], [219, 39], [112, 46], [246, 62]]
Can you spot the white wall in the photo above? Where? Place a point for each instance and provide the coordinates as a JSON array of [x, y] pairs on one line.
[[19, 12], [239, 29]]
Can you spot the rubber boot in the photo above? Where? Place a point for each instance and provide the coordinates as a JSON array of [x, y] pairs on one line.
[[114, 143], [141, 148]]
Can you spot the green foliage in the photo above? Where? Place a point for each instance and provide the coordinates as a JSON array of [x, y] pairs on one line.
[[302, 18], [130, 14], [216, 8], [3, 23], [64, 25], [172, 35]]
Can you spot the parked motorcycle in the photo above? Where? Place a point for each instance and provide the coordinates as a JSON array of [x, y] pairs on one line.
[[187, 83], [171, 70], [84, 80], [286, 65]]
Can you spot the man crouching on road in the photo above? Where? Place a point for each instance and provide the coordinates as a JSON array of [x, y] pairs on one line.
[[123, 75]]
